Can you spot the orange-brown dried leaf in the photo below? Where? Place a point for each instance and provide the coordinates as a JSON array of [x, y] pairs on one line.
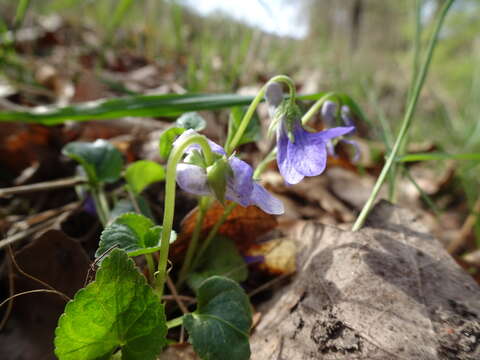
[[244, 225], [21, 145]]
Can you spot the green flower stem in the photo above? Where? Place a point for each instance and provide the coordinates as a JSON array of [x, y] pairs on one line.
[[406, 121], [175, 322], [174, 158], [99, 201], [203, 206], [103, 202], [317, 106], [213, 232], [151, 268], [231, 145], [264, 163], [148, 257]]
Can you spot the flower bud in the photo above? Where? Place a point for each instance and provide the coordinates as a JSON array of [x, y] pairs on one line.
[[274, 94], [291, 116], [329, 113], [346, 116], [217, 177]]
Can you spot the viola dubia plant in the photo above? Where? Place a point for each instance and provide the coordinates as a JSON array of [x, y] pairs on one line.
[[122, 314]]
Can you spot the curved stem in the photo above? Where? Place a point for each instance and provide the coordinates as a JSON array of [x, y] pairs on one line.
[[231, 145], [202, 210], [406, 121], [315, 107], [174, 158]]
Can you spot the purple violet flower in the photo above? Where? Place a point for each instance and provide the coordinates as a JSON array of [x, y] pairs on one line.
[[299, 153], [329, 115], [307, 154], [241, 188]]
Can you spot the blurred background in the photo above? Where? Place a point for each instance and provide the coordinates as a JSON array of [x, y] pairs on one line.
[[69, 51], [62, 52]]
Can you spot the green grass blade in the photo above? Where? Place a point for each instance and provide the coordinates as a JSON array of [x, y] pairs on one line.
[[20, 13], [423, 194], [141, 105], [407, 119], [438, 156], [118, 16]]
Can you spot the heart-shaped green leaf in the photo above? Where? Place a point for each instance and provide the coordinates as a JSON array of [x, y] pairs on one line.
[[165, 143], [117, 310], [134, 233], [191, 120], [101, 160], [142, 173], [219, 328], [221, 258]]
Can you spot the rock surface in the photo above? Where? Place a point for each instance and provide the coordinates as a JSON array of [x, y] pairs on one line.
[[389, 291]]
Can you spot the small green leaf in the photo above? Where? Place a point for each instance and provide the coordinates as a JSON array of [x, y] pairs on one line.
[[219, 328], [101, 160], [134, 233], [222, 258], [252, 132], [117, 310], [142, 173], [165, 144], [191, 120]]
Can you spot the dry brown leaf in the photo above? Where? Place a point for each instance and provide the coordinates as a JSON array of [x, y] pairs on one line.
[[278, 256], [244, 225], [60, 262]]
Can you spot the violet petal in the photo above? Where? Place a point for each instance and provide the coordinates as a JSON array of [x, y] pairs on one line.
[[266, 201], [284, 161], [356, 155], [192, 179], [325, 135], [308, 156], [240, 185]]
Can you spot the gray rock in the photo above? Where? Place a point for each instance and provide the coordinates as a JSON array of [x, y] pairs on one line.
[[389, 291]]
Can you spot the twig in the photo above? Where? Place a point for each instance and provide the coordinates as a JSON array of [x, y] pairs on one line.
[[11, 287], [268, 284], [20, 270], [175, 295], [41, 217], [8, 105], [32, 292], [466, 229], [47, 185], [180, 304], [23, 234]]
